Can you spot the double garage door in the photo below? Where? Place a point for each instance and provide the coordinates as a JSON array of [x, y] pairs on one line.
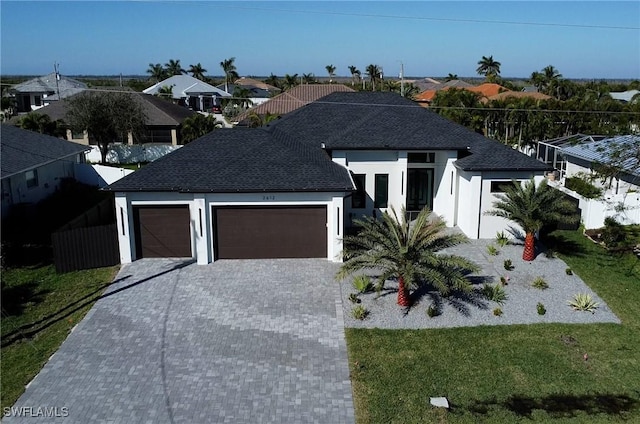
[[239, 232]]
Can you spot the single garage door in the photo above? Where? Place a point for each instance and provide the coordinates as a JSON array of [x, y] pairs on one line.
[[270, 232], [162, 231]]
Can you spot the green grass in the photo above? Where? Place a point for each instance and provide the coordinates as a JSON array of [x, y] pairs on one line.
[[506, 374], [39, 308]]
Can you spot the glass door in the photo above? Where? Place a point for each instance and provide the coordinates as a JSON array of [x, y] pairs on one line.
[[419, 189]]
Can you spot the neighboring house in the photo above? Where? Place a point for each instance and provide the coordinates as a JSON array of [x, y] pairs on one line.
[[625, 96], [260, 92], [164, 120], [191, 92], [294, 188], [41, 91], [292, 99], [582, 155], [33, 165], [426, 96], [519, 95]]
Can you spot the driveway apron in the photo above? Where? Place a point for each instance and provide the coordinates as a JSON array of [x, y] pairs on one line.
[[247, 341]]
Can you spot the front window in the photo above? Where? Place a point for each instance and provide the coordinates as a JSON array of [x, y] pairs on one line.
[[499, 186], [381, 191], [32, 178], [421, 157], [359, 198]]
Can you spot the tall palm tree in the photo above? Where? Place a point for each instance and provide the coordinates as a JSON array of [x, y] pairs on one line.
[[173, 67], [488, 67], [331, 70], [355, 74], [230, 72], [197, 71], [374, 72], [407, 251], [157, 71], [531, 207]]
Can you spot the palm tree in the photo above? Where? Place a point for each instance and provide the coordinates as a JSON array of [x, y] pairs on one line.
[[166, 92], [407, 251], [198, 125], [374, 72], [158, 73], [531, 207], [173, 67], [241, 97], [309, 78], [451, 77], [230, 72], [488, 67], [197, 71], [331, 70], [290, 81], [256, 120], [355, 74], [273, 80]]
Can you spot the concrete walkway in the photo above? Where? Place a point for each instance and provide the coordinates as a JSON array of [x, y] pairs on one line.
[[232, 342]]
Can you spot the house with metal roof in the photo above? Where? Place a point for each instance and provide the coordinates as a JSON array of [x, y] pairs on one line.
[[34, 165], [294, 187], [41, 91], [191, 92]]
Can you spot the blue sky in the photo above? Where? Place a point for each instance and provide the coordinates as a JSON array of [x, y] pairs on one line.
[[429, 38]]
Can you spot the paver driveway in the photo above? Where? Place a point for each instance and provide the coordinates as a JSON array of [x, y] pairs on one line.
[[231, 342]]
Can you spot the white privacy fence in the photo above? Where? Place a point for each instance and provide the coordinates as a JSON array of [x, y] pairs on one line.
[[99, 175], [131, 153], [625, 208]]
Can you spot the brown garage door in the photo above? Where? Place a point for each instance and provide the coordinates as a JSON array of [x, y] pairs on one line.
[[276, 232], [162, 231]]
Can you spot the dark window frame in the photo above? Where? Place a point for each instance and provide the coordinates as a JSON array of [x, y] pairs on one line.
[[381, 191], [496, 186], [31, 182], [359, 197], [421, 157]]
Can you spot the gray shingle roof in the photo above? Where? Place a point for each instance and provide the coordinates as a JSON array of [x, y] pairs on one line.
[[23, 150], [159, 112], [289, 155], [240, 160], [601, 151], [366, 120], [47, 84]]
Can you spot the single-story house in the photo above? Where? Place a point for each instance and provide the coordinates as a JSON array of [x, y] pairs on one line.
[[34, 164], [41, 91], [294, 188], [164, 119], [191, 92]]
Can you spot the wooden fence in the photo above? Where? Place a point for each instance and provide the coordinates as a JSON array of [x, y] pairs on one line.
[[89, 241]]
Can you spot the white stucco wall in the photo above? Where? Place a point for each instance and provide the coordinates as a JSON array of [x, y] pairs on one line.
[[202, 229], [49, 178]]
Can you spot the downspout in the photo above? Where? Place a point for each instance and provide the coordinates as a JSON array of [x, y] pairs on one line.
[[480, 206]]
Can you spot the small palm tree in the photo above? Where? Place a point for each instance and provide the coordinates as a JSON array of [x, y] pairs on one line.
[[157, 71], [451, 77], [197, 71], [173, 67], [273, 80], [290, 81], [166, 92], [531, 207], [355, 74], [408, 252], [198, 125]]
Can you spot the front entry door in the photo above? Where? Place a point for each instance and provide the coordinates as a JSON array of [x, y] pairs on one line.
[[419, 189]]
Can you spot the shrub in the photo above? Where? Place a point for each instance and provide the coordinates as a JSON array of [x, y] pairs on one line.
[[613, 233], [568, 271], [492, 250], [433, 311], [541, 309], [497, 312], [508, 265], [502, 239], [353, 297], [583, 187], [359, 312], [540, 284], [362, 283], [494, 293], [583, 302]]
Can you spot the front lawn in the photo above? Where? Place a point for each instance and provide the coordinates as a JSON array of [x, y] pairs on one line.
[[507, 374], [39, 308]]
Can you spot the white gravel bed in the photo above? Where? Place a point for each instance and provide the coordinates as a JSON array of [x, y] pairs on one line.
[[474, 310]]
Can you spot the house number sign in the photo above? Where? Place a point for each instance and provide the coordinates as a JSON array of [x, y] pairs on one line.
[[269, 197]]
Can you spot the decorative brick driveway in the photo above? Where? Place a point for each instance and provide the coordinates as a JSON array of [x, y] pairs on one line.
[[232, 342]]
